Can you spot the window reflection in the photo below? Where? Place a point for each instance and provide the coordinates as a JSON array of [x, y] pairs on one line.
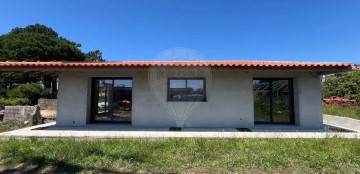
[[272, 100], [186, 90], [262, 100], [281, 100], [112, 100]]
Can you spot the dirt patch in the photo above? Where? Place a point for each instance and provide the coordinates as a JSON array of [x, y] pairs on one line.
[[19, 168]]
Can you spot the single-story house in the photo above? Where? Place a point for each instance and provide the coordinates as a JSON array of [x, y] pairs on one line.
[[233, 94]]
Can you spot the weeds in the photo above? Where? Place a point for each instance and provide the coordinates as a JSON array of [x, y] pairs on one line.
[[12, 125], [345, 111]]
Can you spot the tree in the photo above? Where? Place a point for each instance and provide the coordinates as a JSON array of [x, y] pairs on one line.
[[38, 43], [37, 28], [94, 56], [35, 43], [343, 85]]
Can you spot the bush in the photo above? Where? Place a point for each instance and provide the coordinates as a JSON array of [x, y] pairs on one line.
[[14, 101], [30, 91], [343, 85], [2, 92]]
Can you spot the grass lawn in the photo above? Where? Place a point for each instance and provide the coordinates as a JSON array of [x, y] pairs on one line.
[[345, 111], [332, 155]]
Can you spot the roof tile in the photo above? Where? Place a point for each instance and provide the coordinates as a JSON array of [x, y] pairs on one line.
[[233, 63]]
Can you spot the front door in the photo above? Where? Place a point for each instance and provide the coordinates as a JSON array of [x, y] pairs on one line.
[[111, 100]]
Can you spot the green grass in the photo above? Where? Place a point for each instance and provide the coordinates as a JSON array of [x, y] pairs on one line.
[[332, 155], [11, 125], [345, 111]]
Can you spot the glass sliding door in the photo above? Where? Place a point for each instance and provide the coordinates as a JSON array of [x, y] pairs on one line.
[[104, 88], [262, 100], [281, 101], [273, 101], [112, 100], [122, 100]]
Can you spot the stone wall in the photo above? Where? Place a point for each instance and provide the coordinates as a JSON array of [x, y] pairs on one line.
[[23, 113]]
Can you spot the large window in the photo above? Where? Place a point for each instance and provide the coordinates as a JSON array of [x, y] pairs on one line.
[[186, 89], [273, 100], [112, 100]]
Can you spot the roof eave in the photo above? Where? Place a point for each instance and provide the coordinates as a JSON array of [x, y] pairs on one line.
[[54, 71]]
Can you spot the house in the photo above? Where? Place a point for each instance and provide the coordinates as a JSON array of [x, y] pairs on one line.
[[235, 94]]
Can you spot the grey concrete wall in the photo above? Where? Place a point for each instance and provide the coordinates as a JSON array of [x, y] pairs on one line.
[[72, 105], [229, 104], [308, 104], [229, 100]]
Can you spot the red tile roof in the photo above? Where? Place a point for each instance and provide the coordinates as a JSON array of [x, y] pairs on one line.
[[232, 63]]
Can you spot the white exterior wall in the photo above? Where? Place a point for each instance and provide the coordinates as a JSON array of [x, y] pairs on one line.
[[229, 100]]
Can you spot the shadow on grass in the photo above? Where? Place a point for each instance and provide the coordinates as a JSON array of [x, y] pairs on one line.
[[44, 165]]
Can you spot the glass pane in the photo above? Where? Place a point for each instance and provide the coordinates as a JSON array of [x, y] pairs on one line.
[[122, 100], [281, 97], [177, 91], [112, 100], [195, 90], [177, 83], [262, 100], [103, 100]]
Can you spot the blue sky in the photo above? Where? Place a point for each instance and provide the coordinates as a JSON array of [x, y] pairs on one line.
[[298, 30]]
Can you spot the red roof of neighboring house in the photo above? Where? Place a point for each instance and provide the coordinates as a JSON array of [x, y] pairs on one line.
[[232, 63]]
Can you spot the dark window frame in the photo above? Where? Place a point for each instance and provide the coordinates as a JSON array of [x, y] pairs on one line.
[[93, 94], [291, 102], [186, 79]]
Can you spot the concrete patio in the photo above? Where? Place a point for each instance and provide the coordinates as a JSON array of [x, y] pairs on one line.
[[342, 122], [115, 131]]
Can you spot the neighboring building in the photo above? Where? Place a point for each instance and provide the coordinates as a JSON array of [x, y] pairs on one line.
[[236, 94], [356, 67]]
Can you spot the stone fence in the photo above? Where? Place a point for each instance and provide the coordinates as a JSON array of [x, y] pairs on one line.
[[23, 113]]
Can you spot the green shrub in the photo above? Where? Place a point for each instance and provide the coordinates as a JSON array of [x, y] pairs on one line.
[[343, 85], [14, 101], [31, 91], [2, 92]]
